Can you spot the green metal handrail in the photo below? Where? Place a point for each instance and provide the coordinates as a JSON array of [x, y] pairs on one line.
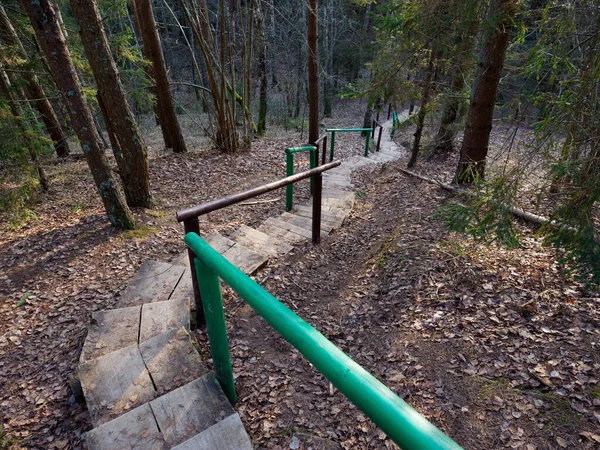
[[289, 170], [348, 130], [394, 124], [404, 425]]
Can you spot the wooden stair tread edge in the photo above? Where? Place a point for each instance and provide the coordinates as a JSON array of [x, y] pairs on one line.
[[111, 330], [228, 434], [272, 229], [171, 360], [305, 222], [115, 383], [331, 214], [154, 282], [190, 409], [256, 240], [136, 430], [185, 289], [219, 242], [245, 259], [161, 316]]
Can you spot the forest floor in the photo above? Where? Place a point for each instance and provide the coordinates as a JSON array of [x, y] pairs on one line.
[[497, 347]]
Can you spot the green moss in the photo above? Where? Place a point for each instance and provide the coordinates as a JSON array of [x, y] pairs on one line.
[[140, 233]]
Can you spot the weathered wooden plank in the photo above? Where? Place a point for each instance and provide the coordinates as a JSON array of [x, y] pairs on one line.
[[228, 434], [111, 330], [305, 222], [258, 241], [182, 260], [244, 259], [219, 242], [136, 430], [333, 215], [115, 383], [154, 282], [270, 228], [185, 290], [163, 316], [171, 360], [183, 413]]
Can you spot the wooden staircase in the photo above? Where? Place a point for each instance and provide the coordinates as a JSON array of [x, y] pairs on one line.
[[145, 384]]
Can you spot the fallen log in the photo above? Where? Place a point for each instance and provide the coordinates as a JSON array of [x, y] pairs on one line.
[[540, 220]]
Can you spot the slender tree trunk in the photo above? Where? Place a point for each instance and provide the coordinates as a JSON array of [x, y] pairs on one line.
[[328, 85], [18, 114], [471, 165], [153, 52], [423, 109], [131, 153], [261, 126], [451, 114], [34, 91], [44, 20], [313, 75]]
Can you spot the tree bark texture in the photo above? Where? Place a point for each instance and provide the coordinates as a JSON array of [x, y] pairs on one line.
[[18, 114], [423, 109], [471, 165], [328, 85], [131, 153], [44, 20], [451, 114], [153, 52], [34, 90], [261, 126], [313, 75]]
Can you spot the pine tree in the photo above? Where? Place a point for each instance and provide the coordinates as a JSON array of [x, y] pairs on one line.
[[33, 89], [499, 29], [129, 149], [44, 20], [153, 52]]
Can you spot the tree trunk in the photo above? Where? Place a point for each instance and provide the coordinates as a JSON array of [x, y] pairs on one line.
[[451, 114], [153, 52], [261, 126], [34, 91], [313, 75], [423, 108], [131, 153], [18, 114], [328, 85], [471, 165], [44, 20]]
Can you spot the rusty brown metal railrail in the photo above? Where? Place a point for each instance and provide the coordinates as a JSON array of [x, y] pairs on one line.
[[189, 216], [322, 139], [375, 125]]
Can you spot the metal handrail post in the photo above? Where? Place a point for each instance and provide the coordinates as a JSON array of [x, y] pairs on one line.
[[379, 138], [289, 189], [367, 144], [210, 287], [316, 208], [331, 146], [192, 225]]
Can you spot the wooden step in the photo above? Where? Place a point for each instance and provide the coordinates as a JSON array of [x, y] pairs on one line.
[[163, 316], [171, 360], [228, 434], [306, 222], [183, 413], [135, 430], [334, 215], [238, 255], [154, 282], [260, 242], [277, 229], [110, 331], [115, 383], [187, 418]]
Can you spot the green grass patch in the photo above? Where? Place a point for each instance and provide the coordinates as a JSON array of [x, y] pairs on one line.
[[140, 233]]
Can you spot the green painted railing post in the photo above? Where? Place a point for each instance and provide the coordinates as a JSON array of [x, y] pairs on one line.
[[331, 147], [210, 289], [367, 144], [394, 119], [289, 189]]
